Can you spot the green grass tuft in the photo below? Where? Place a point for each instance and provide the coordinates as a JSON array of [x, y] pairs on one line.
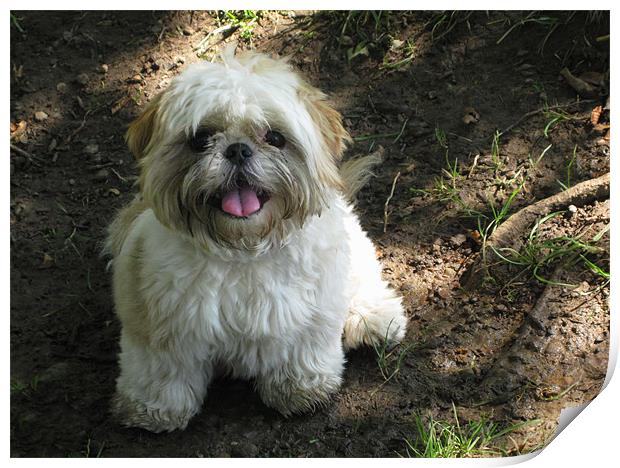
[[538, 253], [442, 439]]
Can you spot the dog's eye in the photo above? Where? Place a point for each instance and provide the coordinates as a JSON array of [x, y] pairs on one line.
[[200, 141], [275, 139]]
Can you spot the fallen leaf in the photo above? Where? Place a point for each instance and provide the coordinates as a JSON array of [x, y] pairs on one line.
[[18, 129], [48, 260], [476, 237], [596, 114], [600, 127]]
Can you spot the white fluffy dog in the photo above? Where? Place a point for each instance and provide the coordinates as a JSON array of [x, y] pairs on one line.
[[241, 251]]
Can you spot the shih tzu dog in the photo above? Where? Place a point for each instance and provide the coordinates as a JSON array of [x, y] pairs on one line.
[[241, 251]]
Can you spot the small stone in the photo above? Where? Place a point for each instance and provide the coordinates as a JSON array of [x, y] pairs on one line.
[[458, 239], [61, 87], [82, 79], [449, 272], [137, 78], [114, 191], [71, 181], [104, 68], [444, 293], [101, 175], [40, 116], [52, 146], [91, 149], [432, 95]]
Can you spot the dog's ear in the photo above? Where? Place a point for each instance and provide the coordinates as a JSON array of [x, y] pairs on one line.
[[329, 123], [141, 130], [327, 119]]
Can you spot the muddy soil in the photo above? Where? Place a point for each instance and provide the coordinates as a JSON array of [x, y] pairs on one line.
[[514, 350]]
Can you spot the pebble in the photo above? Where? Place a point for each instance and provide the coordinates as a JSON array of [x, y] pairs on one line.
[[61, 87], [458, 239], [82, 79], [444, 293], [71, 181], [104, 68], [432, 95], [572, 209], [40, 116], [101, 175], [136, 79], [91, 149]]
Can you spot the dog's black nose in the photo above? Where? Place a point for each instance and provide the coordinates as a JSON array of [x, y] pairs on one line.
[[237, 153]]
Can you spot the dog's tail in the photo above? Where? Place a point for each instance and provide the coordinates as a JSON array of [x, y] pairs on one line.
[[357, 172]]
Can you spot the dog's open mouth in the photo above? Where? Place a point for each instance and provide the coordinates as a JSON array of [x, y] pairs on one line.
[[241, 201]]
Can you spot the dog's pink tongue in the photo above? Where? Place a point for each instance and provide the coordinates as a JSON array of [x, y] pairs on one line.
[[241, 202]]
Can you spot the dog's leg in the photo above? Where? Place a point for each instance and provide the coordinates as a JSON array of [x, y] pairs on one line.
[[376, 315], [312, 373], [159, 389]]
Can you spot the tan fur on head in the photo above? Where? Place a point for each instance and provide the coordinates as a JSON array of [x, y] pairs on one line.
[[329, 123], [142, 129], [239, 101]]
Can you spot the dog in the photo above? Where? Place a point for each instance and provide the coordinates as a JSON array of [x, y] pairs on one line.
[[241, 252]]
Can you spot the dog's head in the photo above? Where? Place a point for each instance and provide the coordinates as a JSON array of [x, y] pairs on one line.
[[238, 153]]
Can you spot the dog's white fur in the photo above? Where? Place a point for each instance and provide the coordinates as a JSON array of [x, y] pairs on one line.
[[277, 296]]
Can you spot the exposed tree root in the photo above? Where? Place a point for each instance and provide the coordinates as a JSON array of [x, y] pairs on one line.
[[512, 232]]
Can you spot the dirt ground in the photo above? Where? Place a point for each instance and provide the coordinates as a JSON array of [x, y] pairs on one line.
[[432, 88]]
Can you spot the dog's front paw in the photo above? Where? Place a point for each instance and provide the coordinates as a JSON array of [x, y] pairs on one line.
[[295, 396], [385, 325], [132, 413]]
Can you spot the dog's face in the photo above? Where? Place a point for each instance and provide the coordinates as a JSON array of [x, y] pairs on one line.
[[238, 154]]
